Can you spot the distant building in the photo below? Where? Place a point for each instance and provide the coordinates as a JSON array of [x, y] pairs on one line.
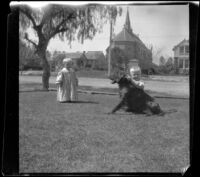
[[94, 59], [181, 57], [90, 59], [78, 58], [132, 46]]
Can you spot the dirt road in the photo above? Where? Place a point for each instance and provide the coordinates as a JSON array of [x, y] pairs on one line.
[[179, 88]]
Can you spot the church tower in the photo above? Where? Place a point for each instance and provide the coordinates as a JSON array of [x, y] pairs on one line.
[[131, 45], [127, 24]]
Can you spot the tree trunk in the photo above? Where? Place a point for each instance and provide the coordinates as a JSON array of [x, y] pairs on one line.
[[46, 70], [45, 76]]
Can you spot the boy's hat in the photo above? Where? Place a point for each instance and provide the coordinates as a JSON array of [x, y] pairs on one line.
[[67, 60], [135, 70]]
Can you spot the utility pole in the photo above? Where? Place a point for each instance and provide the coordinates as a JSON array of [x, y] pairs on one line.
[[109, 51]]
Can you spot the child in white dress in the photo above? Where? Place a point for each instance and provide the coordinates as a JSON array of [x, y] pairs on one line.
[[67, 83]]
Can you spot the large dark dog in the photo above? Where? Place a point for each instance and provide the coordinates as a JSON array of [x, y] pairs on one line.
[[134, 99]]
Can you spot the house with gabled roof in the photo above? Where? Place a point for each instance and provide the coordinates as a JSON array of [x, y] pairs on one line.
[[94, 58], [89, 59], [181, 57], [78, 59]]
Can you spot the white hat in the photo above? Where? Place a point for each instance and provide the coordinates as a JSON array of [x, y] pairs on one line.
[[67, 60], [134, 70]]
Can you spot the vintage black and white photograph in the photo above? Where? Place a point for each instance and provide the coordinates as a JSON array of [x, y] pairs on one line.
[[104, 87]]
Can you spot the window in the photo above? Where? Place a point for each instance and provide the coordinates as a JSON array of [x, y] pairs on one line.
[[186, 49], [180, 63], [187, 63], [182, 50], [176, 61], [121, 47]]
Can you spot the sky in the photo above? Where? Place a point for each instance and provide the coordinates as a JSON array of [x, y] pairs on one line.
[[162, 26]]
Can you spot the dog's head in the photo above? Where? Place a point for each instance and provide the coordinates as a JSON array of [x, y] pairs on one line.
[[123, 81]]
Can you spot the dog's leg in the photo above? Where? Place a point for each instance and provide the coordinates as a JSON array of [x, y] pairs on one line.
[[121, 103]]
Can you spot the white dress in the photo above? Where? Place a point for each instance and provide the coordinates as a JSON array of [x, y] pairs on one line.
[[67, 84]]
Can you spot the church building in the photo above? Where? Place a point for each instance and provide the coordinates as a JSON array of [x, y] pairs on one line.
[[132, 46]]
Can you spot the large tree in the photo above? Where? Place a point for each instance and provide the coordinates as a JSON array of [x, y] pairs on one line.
[[162, 61], [66, 22]]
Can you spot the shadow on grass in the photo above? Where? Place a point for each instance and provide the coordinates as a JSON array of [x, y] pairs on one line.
[[169, 111], [77, 102]]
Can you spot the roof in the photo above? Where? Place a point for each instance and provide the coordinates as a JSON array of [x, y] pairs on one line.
[[94, 55], [124, 35], [74, 55], [184, 40]]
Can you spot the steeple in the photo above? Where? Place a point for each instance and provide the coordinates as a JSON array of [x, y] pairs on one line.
[[127, 24]]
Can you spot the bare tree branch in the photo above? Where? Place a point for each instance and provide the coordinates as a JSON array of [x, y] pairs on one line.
[[62, 30], [46, 17], [58, 31], [51, 13], [28, 15], [61, 23], [29, 40]]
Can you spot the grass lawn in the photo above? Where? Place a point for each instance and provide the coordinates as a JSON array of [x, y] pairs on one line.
[[82, 137], [38, 87]]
